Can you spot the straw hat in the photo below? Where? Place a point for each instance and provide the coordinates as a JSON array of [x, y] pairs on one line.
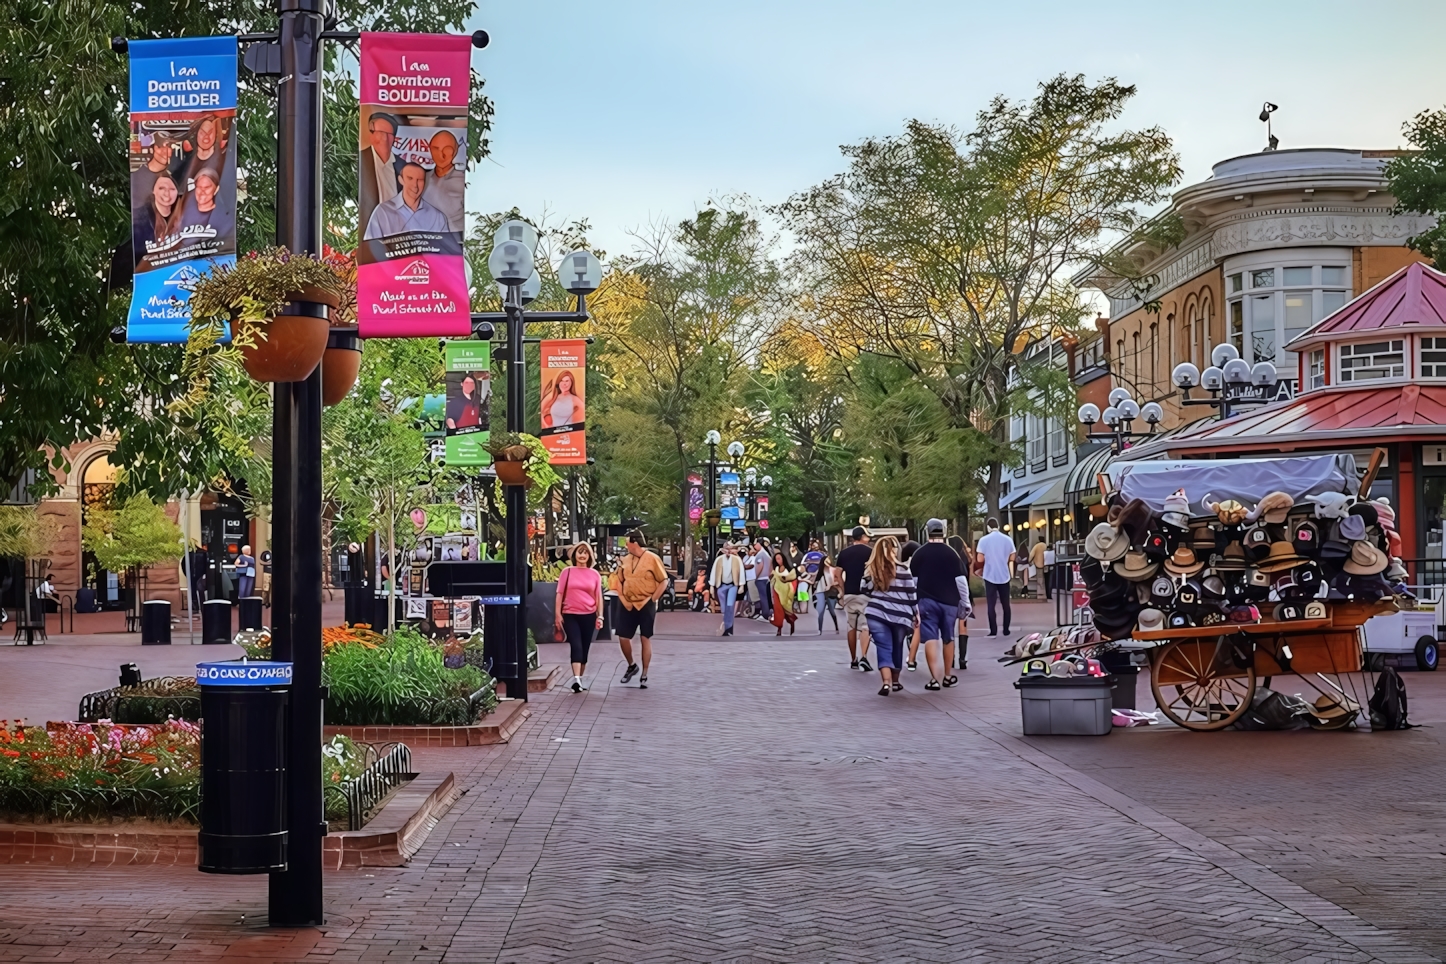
[[1365, 560], [1333, 712], [1282, 556], [1106, 543], [1136, 567], [1274, 507], [1184, 562]]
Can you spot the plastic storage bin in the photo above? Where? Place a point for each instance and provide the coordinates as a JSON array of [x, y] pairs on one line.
[[1075, 706]]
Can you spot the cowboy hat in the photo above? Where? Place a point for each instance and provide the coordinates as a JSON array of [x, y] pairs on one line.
[[1133, 519], [1151, 619], [1333, 712], [1177, 510], [1136, 566], [1106, 543], [1184, 562], [1365, 560], [1274, 508], [1331, 505], [1282, 556], [1231, 560]]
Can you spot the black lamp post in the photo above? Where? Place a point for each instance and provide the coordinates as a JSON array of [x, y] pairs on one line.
[[1118, 418], [712, 438]]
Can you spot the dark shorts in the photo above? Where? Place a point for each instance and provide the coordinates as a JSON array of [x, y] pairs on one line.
[[936, 620], [632, 622]]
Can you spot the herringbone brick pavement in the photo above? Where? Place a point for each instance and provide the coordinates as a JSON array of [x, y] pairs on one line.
[[760, 803]]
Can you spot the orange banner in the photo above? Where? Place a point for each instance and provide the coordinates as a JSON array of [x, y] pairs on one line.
[[564, 391]]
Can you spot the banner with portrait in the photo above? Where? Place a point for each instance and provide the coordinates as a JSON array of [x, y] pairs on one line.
[[564, 390], [183, 176], [469, 399], [411, 180]]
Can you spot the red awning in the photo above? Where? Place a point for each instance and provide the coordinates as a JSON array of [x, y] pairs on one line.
[[1320, 418]]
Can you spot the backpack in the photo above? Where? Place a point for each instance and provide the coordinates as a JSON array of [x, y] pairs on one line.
[[1270, 710], [1388, 702]]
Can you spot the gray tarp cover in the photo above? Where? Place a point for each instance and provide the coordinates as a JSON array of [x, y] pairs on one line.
[[1246, 480]]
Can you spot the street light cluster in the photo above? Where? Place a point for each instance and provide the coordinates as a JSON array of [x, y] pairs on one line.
[[1230, 380], [1119, 417], [513, 264]]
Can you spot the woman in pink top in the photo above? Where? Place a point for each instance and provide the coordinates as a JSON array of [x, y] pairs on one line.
[[579, 607]]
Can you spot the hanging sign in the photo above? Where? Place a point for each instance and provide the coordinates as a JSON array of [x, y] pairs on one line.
[[564, 387], [411, 282], [183, 176], [469, 399]]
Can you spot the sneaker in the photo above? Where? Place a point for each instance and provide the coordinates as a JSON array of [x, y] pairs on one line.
[[576, 685], [631, 672], [642, 682], [854, 664], [913, 667], [864, 665]]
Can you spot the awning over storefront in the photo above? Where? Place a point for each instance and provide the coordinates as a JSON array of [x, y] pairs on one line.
[[1327, 417], [1018, 499], [1080, 483], [1051, 496]]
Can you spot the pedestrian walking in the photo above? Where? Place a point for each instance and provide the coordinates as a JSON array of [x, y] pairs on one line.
[[748, 595], [808, 573], [784, 585], [245, 573], [578, 610], [826, 592], [853, 561], [725, 580], [1037, 568], [906, 554], [641, 582], [892, 609], [936, 569], [966, 601], [994, 560], [762, 576]]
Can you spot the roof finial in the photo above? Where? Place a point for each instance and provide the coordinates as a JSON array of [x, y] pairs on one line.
[[1272, 142]]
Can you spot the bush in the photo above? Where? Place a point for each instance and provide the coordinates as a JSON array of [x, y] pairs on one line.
[[403, 682]]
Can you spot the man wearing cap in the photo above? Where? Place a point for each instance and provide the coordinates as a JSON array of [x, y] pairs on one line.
[[996, 556], [853, 561], [936, 568]]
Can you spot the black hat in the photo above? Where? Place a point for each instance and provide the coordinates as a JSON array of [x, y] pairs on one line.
[[1288, 611], [1305, 536], [1257, 543], [1155, 546], [1091, 572], [1367, 512], [1189, 595], [1180, 620]]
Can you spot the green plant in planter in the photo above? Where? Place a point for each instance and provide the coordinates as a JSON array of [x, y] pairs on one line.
[[251, 292], [404, 682], [135, 536], [529, 450]]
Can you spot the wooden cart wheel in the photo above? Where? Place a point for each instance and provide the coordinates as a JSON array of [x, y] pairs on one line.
[[1198, 687]]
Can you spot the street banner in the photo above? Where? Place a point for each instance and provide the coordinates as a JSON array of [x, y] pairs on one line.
[[695, 496], [183, 176], [564, 390], [411, 179], [469, 398]]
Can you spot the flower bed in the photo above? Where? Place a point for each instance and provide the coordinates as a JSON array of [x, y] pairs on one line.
[[109, 771]]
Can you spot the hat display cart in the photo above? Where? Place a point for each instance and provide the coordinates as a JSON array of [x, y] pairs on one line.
[[1253, 584]]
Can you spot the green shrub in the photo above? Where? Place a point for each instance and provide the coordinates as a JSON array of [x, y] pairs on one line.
[[403, 682]]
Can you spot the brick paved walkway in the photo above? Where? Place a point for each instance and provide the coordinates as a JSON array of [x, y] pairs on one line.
[[796, 816]]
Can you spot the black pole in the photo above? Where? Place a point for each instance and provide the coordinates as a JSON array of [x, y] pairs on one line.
[[712, 501], [511, 664], [296, 893]]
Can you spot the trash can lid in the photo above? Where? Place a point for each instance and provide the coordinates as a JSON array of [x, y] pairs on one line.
[[243, 673]]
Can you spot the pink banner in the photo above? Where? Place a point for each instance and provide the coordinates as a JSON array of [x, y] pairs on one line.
[[411, 167]]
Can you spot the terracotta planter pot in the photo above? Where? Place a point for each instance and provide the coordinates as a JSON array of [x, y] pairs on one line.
[[293, 344], [339, 368], [512, 473]]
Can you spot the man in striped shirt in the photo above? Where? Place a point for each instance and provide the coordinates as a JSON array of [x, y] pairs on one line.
[[892, 610]]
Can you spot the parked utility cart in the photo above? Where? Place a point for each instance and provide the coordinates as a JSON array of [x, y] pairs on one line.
[[1408, 634]]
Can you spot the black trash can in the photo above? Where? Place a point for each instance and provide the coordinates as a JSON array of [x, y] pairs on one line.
[[216, 621], [155, 623], [609, 604], [1126, 675], [246, 712], [248, 612]]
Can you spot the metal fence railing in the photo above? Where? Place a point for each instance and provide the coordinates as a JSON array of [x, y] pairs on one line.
[[389, 764]]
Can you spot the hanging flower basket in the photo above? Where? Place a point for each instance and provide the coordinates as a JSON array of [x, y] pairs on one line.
[[340, 365], [512, 473], [289, 347], [520, 459]]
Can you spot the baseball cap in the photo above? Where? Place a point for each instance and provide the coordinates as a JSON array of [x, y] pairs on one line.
[[858, 532], [934, 525]]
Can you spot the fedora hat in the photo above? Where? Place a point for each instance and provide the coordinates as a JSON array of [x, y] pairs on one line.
[[1136, 567], [1177, 510], [1151, 619], [1282, 556], [1352, 528], [1231, 560], [1333, 712], [1315, 609], [1106, 543], [1273, 508], [1184, 562], [1365, 560]]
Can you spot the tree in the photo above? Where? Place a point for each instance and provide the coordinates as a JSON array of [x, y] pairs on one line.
[[950, 255], [1418, 180], [134, 536], [24, 533], [65, 219]]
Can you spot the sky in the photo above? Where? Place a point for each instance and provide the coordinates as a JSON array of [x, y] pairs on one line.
[[637, 112]]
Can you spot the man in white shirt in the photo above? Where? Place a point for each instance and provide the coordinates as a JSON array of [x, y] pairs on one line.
[[750, 588], [446, 183], [725, 580], [407, 211], [996, 555]]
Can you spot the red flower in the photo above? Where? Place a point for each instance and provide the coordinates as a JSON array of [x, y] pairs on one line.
[[14, 753]]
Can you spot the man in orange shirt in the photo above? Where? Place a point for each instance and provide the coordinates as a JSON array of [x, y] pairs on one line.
[[641, 582]]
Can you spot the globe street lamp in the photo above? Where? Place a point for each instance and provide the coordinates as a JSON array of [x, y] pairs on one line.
[[1231, 381], [1118, 418], [711, 439]]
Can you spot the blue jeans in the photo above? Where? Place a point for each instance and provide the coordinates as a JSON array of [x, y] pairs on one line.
[[888, 642], [765, 596], [829, 603], [727, 598], [936, 620]]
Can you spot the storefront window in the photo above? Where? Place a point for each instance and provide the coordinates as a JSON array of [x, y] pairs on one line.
[[1372, 360]]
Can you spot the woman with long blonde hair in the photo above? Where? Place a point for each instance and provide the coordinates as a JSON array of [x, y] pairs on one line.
[[892, 610], [561, 404], [578, 609]]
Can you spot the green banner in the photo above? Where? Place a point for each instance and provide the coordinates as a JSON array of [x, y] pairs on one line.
[[469, 401]]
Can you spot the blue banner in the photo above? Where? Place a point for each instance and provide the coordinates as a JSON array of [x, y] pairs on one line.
[[183, 176], [243, 673]]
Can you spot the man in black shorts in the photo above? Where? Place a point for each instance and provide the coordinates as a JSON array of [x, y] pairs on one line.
[[642, 580], [852, 561]]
